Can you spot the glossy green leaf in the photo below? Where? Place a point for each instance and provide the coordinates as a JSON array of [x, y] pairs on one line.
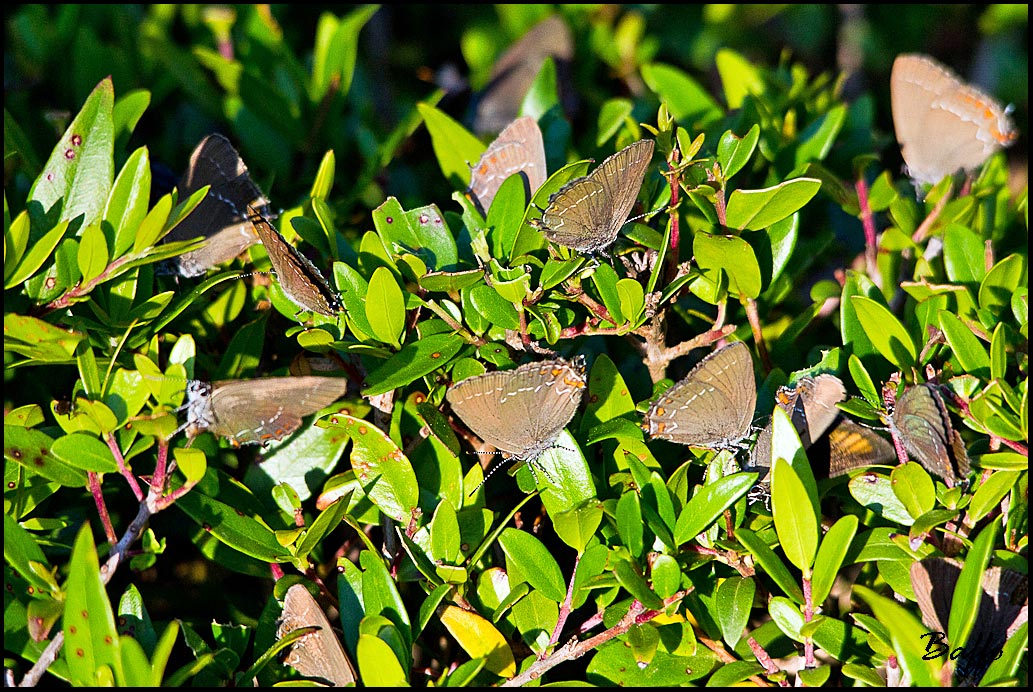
[[383, 470], [734, 601], [795, 522], [85, 452], [734, 256], [906, 635], [885, 332], [80, 168], [709, 503], [31, 449], [875, 492], [733, 152], [739, 78], [965, 345], [833, 550], [385, 307], [91, 640], [756, 209], [770, 563], [127, 205], [455, 148], [415, 360], [527, 559], [914, 488], [688, 101]]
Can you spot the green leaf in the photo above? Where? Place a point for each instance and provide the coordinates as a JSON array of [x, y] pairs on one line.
[[885, 332], [605, 279], [494, 308], [444, 534], [85, 452], [756, 209], [965, 345], [688, 101], [738, 77], [963, 255], [634, 583], [914, 488], [709, 503], [455, 148], [378, 664], [381, 467], [421, 231], [990, 493], [19, 267], [80, 168], [734, 256], [906, 636], [817, 140], [415, 360], [31, 449], [1000, 283], [336, 48], [127, 205], [230, 526], [733, 152], [733, 603], [527, 559], [385, 307], [91, 640], [21, 549], [795, 522], [770, 563], [875, 492], [964, 607], [833, 550]]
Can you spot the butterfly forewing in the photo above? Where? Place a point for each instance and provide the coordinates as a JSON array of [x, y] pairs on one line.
[[713, 406], [587, 213], [221, 217], [853, 446], [923, 423], [518, 149], [317, 655], [300, 280], [520, 411], [262, 410], [943, 125]]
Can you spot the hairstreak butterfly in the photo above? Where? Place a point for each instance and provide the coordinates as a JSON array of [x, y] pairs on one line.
[[587, 213], [298, 277], [921, 421], [260, 410], [517, 149], [522, 411], [1002, 609], [712, 406], [221, 217], [515, 71], [319, 654], [943, 125], [811, 405]]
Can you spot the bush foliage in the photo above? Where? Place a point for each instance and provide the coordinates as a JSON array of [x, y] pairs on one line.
[[773, 213]]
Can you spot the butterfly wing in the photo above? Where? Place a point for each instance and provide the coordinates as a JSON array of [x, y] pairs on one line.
[[520, 411], [587, 213], [317, 655], [300, 280], [221, 217], [712, 406], [267, 409], [517, 149]]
